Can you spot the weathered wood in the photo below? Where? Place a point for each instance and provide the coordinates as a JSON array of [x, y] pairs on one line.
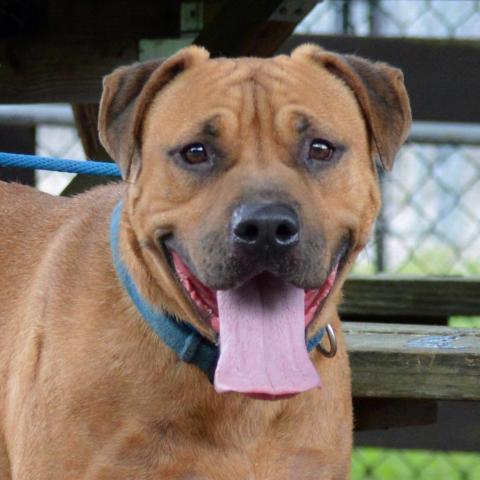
[[416, 362], [442, 76], [70, 72], [457, 428], [250, 27], [394, 295]]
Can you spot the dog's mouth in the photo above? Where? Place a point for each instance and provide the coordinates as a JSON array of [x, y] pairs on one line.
[[262, 328], [205, 298]]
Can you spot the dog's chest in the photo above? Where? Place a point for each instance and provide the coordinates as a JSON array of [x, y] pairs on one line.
[[182, 456]]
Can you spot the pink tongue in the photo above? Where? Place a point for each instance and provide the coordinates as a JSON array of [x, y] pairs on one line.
[[262, 339]]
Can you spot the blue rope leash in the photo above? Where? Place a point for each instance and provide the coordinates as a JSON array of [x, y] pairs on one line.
[[86, 167]]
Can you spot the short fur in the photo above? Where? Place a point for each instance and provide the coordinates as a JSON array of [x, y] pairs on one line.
[[88, 391]]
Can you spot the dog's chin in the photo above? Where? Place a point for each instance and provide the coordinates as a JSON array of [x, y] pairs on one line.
[[204, 298]]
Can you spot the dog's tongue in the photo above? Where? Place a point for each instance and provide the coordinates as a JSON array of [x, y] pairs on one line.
[[262, 340]]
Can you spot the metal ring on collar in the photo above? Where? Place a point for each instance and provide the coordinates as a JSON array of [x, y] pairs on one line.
[[333, 343]]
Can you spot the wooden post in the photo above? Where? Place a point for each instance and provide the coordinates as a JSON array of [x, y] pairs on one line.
[[16, 139], [252, 27]]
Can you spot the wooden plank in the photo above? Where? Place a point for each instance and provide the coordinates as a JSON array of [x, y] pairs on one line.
[[394, 295], [113, 19], [70, 72], [457, 428], [251, 27], [442, 76], [412, 361]]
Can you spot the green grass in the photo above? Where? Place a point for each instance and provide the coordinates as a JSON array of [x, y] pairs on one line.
[[464, 322], [383, 464]]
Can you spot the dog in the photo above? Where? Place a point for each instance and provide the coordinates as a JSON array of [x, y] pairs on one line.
[[182, 324]]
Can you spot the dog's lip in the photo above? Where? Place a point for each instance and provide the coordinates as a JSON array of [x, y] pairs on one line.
[[205, 301]]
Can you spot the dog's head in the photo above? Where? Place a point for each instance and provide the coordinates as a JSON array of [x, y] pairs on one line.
[[253, 186]]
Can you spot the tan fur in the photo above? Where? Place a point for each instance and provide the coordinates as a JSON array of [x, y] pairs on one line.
[[88, 391]]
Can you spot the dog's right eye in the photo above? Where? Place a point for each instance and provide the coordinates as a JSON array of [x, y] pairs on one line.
[[321, 150], [194, 154]]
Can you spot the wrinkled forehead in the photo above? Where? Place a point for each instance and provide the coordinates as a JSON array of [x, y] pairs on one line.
[[247, 91]]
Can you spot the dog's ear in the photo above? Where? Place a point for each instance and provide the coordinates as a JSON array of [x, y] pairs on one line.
[[380, 92], [127, 93]]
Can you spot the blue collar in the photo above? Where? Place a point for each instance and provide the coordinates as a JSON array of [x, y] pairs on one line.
[[189, 345]]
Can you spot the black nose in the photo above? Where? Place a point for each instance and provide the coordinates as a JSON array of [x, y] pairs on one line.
[[265, 226]]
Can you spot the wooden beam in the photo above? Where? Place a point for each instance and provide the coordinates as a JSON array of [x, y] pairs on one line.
[[86, 120], [457, 428], [379, 413], [396, 296], [113, 19], [70, 72], [27, 17], [252, 27], [442, 76], [87, 19], [415, 362]]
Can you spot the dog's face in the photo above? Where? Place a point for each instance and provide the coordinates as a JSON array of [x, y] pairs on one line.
[[254, 178]]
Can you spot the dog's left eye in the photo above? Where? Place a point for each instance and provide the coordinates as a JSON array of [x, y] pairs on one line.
[[321, 150], [194, 153]]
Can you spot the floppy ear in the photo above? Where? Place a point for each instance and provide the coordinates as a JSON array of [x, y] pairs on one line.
[[127, 93], [380, 92]]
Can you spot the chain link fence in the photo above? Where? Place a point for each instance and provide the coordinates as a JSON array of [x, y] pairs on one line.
[[451, 19], [430, 223]]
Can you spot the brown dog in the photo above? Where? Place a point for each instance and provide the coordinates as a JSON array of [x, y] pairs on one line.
[[250, 187]]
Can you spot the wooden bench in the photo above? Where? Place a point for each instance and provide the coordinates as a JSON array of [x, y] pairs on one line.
[[406, 362], [406, 359]]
